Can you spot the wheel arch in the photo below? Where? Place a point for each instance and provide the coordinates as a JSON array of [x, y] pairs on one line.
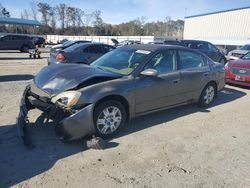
[[118, 98]]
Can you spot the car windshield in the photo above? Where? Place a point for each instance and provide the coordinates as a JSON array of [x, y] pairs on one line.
[[247, 56], [246, 47], [122, 61]]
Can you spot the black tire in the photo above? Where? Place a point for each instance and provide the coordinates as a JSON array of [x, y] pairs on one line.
[[208, 95], [99, 112], [24, 48]]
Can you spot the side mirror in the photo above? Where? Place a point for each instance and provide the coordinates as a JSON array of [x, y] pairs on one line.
[[149, 72]]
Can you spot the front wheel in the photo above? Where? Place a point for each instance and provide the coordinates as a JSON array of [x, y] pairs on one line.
[[207, 96], [109, 118]]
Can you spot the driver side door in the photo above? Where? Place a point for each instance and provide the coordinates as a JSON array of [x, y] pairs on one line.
[[156, 92]]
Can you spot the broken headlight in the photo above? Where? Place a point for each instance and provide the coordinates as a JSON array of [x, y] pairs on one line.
[[68, 98]]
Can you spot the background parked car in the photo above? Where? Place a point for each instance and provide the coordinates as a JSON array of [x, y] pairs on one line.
[[236, 54], [67, 44], [170, 42], [16, 42], [125, 42], [80, 53], [62, 41], [207, 48], [238, 71]]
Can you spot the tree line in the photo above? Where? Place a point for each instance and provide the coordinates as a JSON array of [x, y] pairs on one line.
[[64, 19]]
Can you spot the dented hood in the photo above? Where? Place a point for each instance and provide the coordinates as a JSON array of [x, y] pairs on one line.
[[55, 79]]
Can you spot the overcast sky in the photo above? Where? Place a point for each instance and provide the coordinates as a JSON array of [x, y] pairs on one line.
[[117, 11]]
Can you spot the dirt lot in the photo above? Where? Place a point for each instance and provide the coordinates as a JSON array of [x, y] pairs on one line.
[[183, 147]]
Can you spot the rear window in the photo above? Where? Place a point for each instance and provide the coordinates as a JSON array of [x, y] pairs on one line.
[[95, 49]]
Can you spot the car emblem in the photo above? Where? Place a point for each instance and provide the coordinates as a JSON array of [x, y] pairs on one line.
[[242, 71]]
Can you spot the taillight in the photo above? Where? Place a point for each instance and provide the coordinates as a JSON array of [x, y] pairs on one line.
[[60, 57]]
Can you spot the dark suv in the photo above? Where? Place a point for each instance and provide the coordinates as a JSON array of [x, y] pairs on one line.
[[207, 48], [16, 42]]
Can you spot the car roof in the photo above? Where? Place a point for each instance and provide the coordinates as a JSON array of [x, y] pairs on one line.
[[195, 41], [154, 47], [85, 45]]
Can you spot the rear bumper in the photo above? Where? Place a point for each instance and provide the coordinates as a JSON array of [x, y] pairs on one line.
[[69, 126]]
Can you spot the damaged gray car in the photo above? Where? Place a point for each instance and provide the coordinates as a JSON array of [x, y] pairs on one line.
[[98, 99]]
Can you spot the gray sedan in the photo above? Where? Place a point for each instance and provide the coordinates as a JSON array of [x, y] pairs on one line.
[[127, 82], [83, 53]]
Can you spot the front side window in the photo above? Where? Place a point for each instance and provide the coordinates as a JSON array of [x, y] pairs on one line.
[[163, 62], [188, 59]]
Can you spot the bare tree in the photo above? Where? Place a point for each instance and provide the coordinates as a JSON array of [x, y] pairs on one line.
[[33, 10], [52, 14], [44, 9], [88, 18], [98, 22], [61, 11], [25, 14]]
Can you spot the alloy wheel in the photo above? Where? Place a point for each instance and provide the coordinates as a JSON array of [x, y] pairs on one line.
[[109, 120]]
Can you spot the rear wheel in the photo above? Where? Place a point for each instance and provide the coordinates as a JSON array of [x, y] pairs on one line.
[[24, 48], [207, 96], [109, 118]]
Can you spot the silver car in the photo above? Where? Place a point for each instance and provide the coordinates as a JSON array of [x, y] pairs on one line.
[[238, 53]]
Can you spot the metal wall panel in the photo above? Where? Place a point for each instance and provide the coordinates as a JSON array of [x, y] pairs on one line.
[[231, 27]]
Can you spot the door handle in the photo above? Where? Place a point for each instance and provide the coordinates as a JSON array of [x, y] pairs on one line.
[[175, 81], [205, 74]]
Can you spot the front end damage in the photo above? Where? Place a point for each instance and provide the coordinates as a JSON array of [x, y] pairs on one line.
[[70, 123]]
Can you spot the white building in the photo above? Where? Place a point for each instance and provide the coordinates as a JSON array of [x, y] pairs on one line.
[[229, 27]]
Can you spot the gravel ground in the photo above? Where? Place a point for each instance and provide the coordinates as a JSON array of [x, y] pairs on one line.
[[182, 147]]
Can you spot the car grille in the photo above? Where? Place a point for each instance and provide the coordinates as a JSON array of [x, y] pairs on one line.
[[241, 71], [237, 55]]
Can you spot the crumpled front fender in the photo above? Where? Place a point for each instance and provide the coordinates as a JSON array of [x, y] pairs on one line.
[[77, 125]]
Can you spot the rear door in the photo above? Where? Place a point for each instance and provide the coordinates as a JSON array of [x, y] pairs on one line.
[[165, 89], [194, 72]]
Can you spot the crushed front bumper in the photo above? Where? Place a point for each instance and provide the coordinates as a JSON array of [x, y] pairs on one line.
[[69, 126]]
